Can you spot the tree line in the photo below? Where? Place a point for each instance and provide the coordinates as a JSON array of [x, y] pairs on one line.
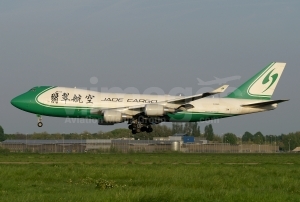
[[2, 135], [285, 142]]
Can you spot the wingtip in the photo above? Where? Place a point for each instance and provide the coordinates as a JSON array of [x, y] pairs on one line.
[[221, 89]]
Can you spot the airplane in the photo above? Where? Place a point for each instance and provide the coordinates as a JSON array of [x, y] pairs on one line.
[[142, 111], [217, 80]]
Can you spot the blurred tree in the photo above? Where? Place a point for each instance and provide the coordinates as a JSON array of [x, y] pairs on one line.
[[258, 138], [195, 129], [174, 128], [247, 137], [230, 138], [217, 139], [208, 132], [272, 139], [2, 136], [187, 128], [190, 128], [290, 141], [177, 128]]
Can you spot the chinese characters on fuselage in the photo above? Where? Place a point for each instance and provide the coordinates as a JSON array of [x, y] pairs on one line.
[[77, 98]]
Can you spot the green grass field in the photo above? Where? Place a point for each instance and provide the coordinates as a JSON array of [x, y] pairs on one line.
[[149, 177]]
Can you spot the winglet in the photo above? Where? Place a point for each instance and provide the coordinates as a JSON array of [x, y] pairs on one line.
[[221, 89], [216, 91]]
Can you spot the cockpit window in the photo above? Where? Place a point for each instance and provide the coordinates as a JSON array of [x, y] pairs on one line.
[[32, 89]]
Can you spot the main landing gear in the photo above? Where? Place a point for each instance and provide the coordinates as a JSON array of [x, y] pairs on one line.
[[140, 124], [39, 124], [137, 128]]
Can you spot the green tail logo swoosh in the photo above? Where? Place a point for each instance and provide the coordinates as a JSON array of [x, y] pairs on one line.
[[267, 79]]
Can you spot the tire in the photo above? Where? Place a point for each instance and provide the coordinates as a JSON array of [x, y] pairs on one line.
[[149, 130], [143, 129]]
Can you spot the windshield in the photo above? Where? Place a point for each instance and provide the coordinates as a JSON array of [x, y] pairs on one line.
[[33, 89]]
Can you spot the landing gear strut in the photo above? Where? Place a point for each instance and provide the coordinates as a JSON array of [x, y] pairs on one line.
[[138, 127], [143, 123], [39, 124]]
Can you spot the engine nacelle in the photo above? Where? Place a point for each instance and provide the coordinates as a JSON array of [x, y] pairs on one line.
[[102, 122], [111, 116], [154, 110]]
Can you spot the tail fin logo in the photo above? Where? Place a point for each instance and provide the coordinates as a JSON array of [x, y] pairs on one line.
[[263, 84], [267, 79]]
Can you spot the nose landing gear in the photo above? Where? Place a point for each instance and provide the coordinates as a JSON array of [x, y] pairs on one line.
[[39, 124]]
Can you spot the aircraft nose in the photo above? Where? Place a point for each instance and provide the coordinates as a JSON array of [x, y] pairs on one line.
[[18, 101]]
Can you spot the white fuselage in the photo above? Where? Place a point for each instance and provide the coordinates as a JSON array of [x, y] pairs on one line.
[[69, 97]]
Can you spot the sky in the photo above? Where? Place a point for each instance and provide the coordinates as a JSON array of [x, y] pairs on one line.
[[111, 45]]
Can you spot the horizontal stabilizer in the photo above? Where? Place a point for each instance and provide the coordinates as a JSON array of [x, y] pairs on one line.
[[263, 104]]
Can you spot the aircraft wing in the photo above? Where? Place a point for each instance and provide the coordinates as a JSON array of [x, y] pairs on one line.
[[181, 101], [187, 99], [98, 110], [184, 100], [263, 104]]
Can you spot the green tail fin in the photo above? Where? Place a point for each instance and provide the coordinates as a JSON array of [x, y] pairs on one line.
[[262, 85]]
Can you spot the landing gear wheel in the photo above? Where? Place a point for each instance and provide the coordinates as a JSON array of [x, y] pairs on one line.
[[143, 129], [149, 130], [40, 124], [133, 131], [130, 127]]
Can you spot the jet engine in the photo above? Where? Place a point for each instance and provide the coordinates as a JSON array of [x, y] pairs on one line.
[[111, 116], [102, 122], [156, 110]]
